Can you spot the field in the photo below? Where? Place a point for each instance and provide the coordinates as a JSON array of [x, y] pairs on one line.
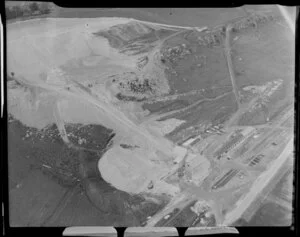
[[171, 16], [268, 45], [203, 115], [87, 136], [274, 206], [201, 67], [269, 214], [196, 62]]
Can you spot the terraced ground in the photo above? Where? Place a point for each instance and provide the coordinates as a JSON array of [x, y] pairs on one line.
[[100, 120]]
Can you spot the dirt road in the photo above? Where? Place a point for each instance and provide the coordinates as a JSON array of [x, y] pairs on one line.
[[230, 65], [160, 143]]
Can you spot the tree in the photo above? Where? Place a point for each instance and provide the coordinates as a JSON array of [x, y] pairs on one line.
[[33, 7], [9, 13], [16, 11], [44, 8]]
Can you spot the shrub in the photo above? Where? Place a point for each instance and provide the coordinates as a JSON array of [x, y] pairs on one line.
[[33, 7]]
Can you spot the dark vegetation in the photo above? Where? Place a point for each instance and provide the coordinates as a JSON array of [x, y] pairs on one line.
[[173, 103], [165, 106], [202, 68], [125, 146], [255, 117], [205, 113], [138, 87], [47, 152], [32, 9], [90, 134], [163, 221], [129, 98], [185, 218], [131, 38], [43, 155], [148, 209]]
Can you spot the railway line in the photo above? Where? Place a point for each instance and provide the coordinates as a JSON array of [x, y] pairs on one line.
[[259, 184], [235, 168]]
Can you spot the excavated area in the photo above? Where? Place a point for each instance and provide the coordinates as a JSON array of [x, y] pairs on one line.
[[66, 94], [106, 102]]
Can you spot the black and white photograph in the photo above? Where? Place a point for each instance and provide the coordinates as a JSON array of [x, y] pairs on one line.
[[150, 117]]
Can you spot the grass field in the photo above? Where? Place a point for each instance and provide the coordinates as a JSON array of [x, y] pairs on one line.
[[203, 68], [204, 115], [173, 16], [264, 54]]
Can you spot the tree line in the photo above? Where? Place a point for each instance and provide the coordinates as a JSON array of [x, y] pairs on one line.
[[31, 9]]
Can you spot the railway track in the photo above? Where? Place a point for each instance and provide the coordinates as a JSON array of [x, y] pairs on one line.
[[259, 184]]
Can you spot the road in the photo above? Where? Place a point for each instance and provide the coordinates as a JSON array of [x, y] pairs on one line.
[[260, 183], [230, 65], [239, 112], [162, 144], [173, 26], [216, 196], [60, 124], [179, 201], [165, 146]]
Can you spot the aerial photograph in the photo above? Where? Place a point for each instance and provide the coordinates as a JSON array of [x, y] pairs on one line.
[[153, 117]]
